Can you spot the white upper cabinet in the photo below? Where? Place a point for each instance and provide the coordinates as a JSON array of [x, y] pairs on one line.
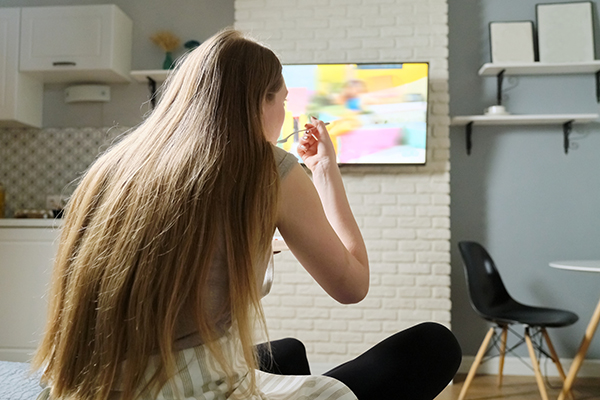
[[90, 43], [20, 94]]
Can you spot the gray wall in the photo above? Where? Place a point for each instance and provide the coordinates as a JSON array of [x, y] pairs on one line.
[[188, 19], [518, 193]]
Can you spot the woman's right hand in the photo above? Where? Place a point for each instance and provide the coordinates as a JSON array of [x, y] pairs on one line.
[[315, 147], [316, 220]]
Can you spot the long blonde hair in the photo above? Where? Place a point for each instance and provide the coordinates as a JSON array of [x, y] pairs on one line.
[[142, 227]]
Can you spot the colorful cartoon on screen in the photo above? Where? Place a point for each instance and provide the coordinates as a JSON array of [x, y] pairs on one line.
[[377, 112]]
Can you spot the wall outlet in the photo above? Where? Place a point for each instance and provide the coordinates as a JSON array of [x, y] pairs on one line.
[[53, 202]]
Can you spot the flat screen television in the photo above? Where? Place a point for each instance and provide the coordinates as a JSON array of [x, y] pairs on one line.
[[377, 112]]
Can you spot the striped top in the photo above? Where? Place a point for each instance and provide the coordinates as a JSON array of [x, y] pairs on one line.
[[200, 377]]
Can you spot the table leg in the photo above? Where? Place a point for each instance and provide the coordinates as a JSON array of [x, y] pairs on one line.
[[578, 360]]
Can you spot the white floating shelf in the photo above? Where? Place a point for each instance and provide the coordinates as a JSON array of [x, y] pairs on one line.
[[566, 120], [540, 68], [516, 119], [152, 77], [158, 75]]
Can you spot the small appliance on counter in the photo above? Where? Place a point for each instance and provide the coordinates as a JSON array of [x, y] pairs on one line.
[[44, 214]]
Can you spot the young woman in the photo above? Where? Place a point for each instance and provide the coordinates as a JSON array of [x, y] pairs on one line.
[[157, 283]]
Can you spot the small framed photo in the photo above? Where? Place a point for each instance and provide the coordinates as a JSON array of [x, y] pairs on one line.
[[512, 42], [565, 32]]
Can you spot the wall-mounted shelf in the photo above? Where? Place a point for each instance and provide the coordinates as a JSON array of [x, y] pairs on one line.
[[567, 121], [158, 75], [151, 77], [540, 68]]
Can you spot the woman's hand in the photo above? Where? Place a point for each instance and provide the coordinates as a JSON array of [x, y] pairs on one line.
[[316, 221], [315, 147]]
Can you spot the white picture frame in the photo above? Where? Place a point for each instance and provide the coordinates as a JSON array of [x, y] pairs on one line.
[[512, 42], [565, 32]]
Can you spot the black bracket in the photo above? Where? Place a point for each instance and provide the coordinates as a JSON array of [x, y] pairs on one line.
[[567, 127], [598, 86], [152, 89], [469, 133], [499, 79]]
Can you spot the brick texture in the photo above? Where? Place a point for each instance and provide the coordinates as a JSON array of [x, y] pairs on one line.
[[403, 211]]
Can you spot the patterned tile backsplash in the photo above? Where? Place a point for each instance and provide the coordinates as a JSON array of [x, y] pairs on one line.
[[36, 163]]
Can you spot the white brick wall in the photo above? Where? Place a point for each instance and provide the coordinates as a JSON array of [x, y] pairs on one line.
[[403, 212]]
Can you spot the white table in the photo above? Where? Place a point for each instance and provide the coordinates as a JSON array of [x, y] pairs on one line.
[[580, 266]]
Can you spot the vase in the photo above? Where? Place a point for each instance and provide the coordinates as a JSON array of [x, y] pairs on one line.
[[168, 63]]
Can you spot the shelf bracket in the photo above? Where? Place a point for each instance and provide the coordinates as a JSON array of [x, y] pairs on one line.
[[598, 86], [499, 79], [152, 89], [567, 127], [469, 133]]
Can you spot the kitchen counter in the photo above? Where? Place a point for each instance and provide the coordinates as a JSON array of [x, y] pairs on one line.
[[28, 247], [30, 223]]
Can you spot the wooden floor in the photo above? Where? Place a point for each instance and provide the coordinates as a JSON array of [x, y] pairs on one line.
[[519, 387]]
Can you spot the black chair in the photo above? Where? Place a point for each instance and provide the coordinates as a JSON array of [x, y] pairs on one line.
[[491, 301]]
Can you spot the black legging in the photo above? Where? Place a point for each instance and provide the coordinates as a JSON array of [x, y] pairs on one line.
[[415, 364]]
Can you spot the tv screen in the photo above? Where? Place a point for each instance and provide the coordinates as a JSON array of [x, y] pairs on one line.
[[377, 113]]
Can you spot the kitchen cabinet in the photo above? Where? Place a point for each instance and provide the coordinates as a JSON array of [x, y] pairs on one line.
[[27, 250], [90, 43], [20, 94]]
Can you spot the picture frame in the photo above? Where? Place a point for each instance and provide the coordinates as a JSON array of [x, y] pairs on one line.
[[512, 42], [565, 32]]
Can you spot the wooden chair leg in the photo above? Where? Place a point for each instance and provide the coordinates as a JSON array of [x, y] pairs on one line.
[[502, 353], [536, 366], [559, 367], [478, 358]]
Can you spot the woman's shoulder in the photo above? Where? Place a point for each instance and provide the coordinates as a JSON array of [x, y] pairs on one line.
[[285, 161]]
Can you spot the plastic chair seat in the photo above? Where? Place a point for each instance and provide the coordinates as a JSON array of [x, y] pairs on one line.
[[533, 316]]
